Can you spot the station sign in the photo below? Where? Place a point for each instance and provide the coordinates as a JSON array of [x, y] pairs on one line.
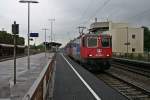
[[34, 34]]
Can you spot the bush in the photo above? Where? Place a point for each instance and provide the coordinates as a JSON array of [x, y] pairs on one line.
[[7, 38], [140, 56], [131, 56]]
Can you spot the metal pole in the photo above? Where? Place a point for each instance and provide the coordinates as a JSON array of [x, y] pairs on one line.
[[49, 45], [127, 42], [51, 30], [81, 28], [28, 35], [51, 20], [45, 42], [148, 54], [14, 57]]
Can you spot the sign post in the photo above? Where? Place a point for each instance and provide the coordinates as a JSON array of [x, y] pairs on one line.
[[15, 31], [34, 35]]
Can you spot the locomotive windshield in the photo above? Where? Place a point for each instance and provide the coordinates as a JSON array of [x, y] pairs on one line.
[[92, 42], [105, 42]]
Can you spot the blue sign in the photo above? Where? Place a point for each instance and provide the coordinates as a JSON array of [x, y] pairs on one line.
[[34, 34]]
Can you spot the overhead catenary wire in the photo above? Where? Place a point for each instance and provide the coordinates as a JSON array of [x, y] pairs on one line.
[[106, 3], [138, 14], [85, 11], [136, 17], [100, 8]]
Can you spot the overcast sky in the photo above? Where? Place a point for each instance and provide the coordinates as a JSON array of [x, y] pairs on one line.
[[69, 14]]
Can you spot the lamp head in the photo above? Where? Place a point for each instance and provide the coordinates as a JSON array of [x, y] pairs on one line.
[[28, 1]]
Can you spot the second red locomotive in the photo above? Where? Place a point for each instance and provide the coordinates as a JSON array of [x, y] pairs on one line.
[[92, 50]]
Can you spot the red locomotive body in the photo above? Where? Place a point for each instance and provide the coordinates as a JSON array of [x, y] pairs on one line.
[[93, 51]]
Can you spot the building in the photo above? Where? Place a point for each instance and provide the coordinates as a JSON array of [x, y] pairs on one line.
[[125, 39]]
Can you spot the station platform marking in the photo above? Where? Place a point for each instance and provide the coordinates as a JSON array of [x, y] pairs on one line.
[[83, 81]]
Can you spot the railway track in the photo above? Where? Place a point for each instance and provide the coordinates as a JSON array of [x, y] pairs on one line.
[[129, 90], [137, 70], [115, 80], [130, 81]]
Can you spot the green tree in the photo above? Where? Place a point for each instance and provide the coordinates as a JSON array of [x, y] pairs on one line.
[[7, 38], [146, 38], [40, 46]]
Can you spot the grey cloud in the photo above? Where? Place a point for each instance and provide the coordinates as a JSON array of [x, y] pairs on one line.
[[70, 14]]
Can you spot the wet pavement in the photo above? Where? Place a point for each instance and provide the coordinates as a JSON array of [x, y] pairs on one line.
[[38, 61]]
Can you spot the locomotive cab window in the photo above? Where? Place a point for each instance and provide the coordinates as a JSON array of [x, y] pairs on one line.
[[92, 42], [110, 42], [83, 41], [105, 42]]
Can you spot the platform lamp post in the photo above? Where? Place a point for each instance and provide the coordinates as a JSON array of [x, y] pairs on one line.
[[28, 2]]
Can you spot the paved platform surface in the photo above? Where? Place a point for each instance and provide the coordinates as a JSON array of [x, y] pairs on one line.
[[68, 86], [25, 78]]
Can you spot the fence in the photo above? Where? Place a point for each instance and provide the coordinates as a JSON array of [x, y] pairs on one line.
[[39, 89]]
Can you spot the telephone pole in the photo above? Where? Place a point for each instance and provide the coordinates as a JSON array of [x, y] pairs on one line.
[[81, 28], [45, 29], [51, 21]]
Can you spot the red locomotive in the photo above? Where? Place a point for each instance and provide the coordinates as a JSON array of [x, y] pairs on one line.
[[93, 51]]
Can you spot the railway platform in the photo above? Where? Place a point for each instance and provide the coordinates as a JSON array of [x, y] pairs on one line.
[[73, 82], [28, 81]]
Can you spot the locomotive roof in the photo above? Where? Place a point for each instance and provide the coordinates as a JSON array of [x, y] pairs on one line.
[[85, 35], [96, 35]]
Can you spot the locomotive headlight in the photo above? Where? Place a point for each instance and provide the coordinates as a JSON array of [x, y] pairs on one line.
[[90, 55], [107, 55]]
